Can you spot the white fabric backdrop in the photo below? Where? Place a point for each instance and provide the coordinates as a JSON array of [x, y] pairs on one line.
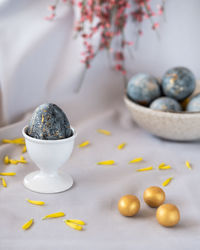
[[39, 62]]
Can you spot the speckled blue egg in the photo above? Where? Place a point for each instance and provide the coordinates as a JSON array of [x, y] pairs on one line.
[[49, 122], [166, 104], [194, 104], [178, 83], [143, 89]]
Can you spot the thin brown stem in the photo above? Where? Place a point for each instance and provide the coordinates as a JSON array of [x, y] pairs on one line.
[[151, 19]]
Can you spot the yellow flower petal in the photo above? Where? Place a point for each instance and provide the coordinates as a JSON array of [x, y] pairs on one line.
[[14, 162], [144, 169], [121, 146], [39, 203], [188, 165], [3, 182], [164, 167], [28, 224], [136, 160], [72, 225], [8, 174], [6, 160], [20, 141], [84, 144], [80, 222], [161, 165], [109, 162], [166, 182], [54, 215], [24, 150], [103, 131], [22, 160]]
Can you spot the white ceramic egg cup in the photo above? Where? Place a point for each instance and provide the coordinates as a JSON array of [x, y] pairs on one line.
[[49, 156]]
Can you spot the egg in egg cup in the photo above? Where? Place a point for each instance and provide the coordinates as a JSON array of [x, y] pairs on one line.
[[49, 156]]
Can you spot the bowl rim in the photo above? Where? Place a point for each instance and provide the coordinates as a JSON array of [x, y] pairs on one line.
[[160, 112], [40, 141]]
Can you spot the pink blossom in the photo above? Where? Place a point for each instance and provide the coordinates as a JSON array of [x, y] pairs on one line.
[[160, 9], [110, 21], [80, 4], [140, 32], [51, 17], [155, 26], [138, 15], [52, 7], [119, 56]]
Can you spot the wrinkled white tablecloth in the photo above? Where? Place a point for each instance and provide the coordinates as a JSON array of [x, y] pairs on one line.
[[97, 189]]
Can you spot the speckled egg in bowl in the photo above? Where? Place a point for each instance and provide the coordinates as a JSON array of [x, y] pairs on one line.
[[176, 126]]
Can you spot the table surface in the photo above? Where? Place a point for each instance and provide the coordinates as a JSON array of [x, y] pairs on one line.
[[97, 190]]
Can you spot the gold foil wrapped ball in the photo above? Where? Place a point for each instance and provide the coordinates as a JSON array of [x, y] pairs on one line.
[[129, 205], [168, 215], [154, 196]]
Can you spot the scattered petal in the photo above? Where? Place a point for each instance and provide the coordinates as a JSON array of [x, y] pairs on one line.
[[109, 162], [73, 225], [144, 169], [188, 165], [103, 131], [3, 182], [28, 224], [161, 165], [136, 160], [121, 146], [54, 215], [22, 160], [166, 182], [8, 174], [39, 203], [20, 141], [79, 222], [164, 167], [6, 160], [24, 150], [84, 144], [14, 162]]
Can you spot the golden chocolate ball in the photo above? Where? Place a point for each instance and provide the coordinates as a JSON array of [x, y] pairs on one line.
[[168, 215], [154, 196], [128, 205]]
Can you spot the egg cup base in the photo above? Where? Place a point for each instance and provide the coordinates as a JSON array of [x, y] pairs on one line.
[[41, 183]]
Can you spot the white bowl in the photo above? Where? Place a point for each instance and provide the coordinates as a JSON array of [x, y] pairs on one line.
[[179, 126], [49, 156]]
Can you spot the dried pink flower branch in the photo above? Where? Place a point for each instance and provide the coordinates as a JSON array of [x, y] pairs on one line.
[[109, 18]]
